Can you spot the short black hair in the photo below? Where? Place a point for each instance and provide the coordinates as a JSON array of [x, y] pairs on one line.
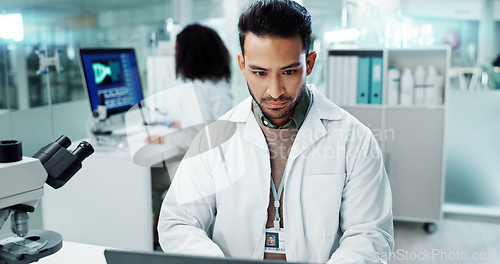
[[201, 54], [276, 18]]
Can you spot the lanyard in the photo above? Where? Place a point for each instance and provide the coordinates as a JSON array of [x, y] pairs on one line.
[[277, 195]]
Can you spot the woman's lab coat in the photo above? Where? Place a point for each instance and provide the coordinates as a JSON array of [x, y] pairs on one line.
[[214, 98], [337, 198]]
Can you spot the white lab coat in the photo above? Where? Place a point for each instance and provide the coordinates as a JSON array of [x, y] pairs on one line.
[[214, 98], [337, 199]]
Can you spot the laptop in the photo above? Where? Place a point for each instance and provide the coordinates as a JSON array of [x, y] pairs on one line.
[[114, 256]]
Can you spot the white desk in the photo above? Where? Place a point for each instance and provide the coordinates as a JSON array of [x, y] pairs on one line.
[[76, 253]]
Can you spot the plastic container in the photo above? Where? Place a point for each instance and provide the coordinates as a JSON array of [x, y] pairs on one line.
[[393, 83], [420, 85], [407, 87], [439, 90], [431, 84]]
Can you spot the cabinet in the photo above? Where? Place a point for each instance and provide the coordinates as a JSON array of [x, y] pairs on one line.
[[414, 162], [411, 136]]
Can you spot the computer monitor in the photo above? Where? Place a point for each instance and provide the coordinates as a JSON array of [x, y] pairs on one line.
[[111, 72], [114, 256]]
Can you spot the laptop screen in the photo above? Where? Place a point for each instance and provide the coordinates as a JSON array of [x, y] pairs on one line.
[[136, 257]]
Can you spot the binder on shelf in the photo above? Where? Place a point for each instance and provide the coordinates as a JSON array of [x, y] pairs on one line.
[[344, 77], [376, 81], [363, 84], [352, 80], [336, 79], [330, 88]]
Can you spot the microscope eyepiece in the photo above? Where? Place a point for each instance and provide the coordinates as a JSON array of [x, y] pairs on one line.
[[46, 153], [64, 141], [83, 150], [61, 164], [10, 151]]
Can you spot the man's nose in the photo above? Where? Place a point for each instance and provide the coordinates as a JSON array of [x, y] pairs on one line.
[[275, 88]]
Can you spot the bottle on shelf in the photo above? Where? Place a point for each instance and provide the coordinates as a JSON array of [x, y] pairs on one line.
[[431, 91], [407, 87], [393, 85], [439, 89], [420, 85]]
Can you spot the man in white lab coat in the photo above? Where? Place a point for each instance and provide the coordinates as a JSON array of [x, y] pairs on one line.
[[285, 163]]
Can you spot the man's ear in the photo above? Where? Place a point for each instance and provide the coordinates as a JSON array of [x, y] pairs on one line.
[[310, 60], [241, 63]]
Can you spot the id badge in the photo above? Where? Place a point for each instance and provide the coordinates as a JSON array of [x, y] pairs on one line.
[[275, 241]]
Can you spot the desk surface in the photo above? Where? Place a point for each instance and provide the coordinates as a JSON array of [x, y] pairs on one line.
[[76, 253]]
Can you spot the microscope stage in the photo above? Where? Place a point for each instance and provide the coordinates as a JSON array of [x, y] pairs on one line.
[[37, 244]]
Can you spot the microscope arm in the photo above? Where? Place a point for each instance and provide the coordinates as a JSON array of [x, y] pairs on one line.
[[21, 187]]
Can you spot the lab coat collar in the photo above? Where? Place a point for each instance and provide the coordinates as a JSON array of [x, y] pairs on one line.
[[321, 109], [243, 114], [313, 128], [325, 108]]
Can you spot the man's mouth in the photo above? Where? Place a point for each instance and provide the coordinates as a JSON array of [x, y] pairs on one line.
[[275, 104]]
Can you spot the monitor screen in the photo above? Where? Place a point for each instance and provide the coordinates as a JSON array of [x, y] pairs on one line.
[[113, 73], [115, 256]]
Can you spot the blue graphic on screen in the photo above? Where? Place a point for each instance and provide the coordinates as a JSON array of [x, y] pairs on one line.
[[106, 72], [114, 73]]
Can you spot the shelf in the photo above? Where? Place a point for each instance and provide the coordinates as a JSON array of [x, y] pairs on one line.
[[339, 83], [365, 106], [408, 135], [361, 53], [414, 106], [376, 106]]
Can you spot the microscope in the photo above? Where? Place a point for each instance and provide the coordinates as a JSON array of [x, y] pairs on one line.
[[21, 187]]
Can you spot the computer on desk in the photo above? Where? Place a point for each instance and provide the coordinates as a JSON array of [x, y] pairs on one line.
[[112, 78], [135, 257]]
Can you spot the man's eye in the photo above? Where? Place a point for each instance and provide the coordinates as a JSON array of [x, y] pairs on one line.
[[290, 72], [259, 73]]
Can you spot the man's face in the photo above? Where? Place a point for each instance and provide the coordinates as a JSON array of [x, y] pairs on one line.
[[275, 69], [270, 240]]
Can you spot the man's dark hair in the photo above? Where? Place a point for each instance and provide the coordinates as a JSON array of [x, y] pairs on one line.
[[276, 18], [201, 54]]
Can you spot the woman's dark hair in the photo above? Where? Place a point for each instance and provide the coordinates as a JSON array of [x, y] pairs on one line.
[[276, 18], [496, 62], [201, 54]]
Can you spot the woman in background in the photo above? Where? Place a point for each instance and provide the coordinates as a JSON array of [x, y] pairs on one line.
[[202, 58]]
